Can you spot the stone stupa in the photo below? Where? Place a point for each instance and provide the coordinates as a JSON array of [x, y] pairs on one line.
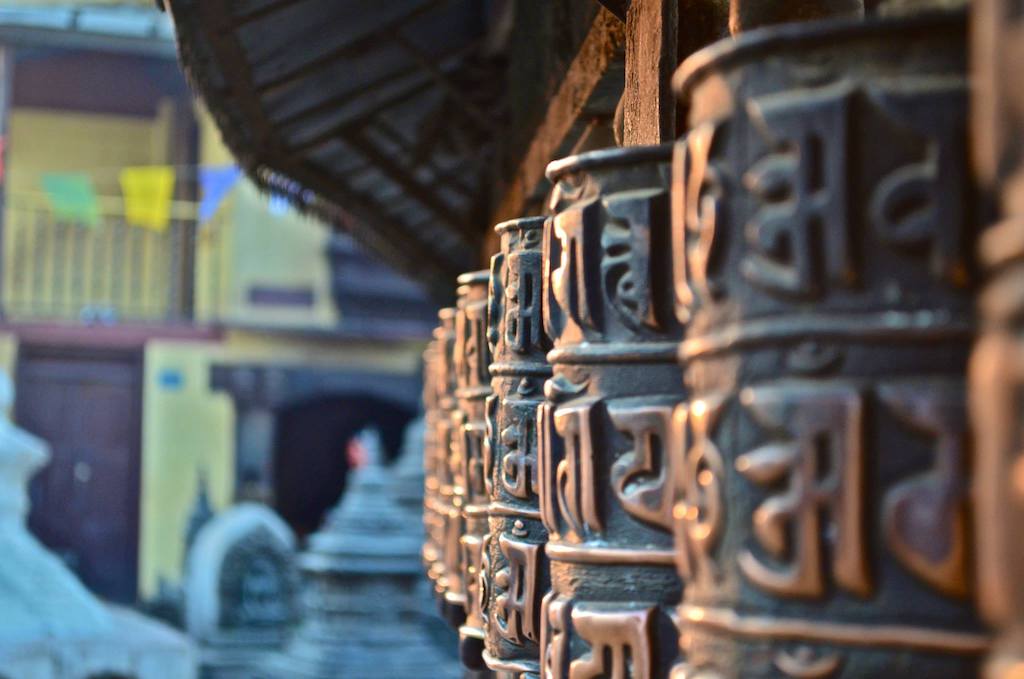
[[367, 604], [51, 626]]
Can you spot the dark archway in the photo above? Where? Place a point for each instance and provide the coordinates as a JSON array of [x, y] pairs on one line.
[[310, 441]]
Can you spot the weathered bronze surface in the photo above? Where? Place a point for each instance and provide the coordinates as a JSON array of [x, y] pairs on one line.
[[997, 366], [515, 574], [745, 15], [473, 387], [433, 512], [821, 241], [605, 430], [446, 464]]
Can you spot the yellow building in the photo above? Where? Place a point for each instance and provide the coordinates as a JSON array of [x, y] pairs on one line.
[[211, 352]]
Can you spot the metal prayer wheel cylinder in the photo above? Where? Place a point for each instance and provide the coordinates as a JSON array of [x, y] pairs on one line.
[[605, 430], [822, 249], [432, 518], [473, 387], [745, 15], [997, 365], [514, 576], [450, 497]]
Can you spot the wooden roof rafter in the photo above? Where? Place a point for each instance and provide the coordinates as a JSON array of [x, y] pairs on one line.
[[346, 48], [291, 117]]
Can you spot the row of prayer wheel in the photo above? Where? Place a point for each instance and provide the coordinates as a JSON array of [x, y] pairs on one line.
[[708, 417]]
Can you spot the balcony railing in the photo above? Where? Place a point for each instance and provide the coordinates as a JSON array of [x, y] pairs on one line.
[[112, 272]]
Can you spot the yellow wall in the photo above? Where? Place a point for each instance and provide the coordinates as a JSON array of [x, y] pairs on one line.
[[186, 431], [9, 358], [51, 140], [35, 247], [191, 429], [247, 245]]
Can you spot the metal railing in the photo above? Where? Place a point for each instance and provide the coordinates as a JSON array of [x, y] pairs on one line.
[[107, 273]]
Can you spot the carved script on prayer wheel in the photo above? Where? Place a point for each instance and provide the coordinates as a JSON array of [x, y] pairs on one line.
[[515, 571], [605, 430], [473, 387], [821, 241], [432, 455], [449, 494], [997, 366]]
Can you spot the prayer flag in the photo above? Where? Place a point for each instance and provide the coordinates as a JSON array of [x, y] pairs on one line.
[[71, 197], [148, 192], [215, 182]]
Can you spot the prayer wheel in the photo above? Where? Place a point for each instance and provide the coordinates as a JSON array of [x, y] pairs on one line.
[[432, 512], [514, 577], [822, 239], [997, 366], [450, 498], [605, 428], [473, 387]]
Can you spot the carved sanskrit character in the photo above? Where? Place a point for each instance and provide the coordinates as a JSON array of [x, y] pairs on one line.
[[473, 435], [550, 451], [802, 185], [471, 329], [518, 472], [523, 322], [490, 427], [630, 277], [698, 203], [926, 516], [578, 231], [938, 216], [516, 608], [473, 563], [642, 477], [822, 463], [700, 513], [576, 474], [554, 643], [620, 641]]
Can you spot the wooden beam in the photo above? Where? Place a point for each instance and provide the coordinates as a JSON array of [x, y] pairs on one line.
[[595, 70], [468, 106], [407, 249], [617, 7], [409, 82], [390, 168], [325, 60], [648, 105], [453, 178], [264, 11]]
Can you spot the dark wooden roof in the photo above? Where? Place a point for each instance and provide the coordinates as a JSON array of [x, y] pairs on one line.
[[379, 115]]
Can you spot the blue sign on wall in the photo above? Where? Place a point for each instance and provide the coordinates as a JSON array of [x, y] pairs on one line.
[[171, 379]]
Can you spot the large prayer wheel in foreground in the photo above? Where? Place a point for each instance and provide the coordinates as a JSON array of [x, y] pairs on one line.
[[515, 574], [605, 429], [822, 243], [997, 366], [473, 387]]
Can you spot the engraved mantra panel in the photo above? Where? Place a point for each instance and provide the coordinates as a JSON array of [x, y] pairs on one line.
[[472, 361], [606, 432], [515, 572], [997, 365], [822, 265]]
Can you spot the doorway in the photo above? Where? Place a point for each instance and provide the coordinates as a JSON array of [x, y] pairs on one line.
[[311, 439], [85, 504]]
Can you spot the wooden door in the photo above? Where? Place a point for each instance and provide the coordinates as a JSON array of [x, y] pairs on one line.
[[85, 503]]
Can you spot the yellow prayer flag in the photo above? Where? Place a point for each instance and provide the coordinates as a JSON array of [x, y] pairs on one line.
[[148, 192]]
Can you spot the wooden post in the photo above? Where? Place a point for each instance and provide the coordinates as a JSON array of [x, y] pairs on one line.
[[648, 107]]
